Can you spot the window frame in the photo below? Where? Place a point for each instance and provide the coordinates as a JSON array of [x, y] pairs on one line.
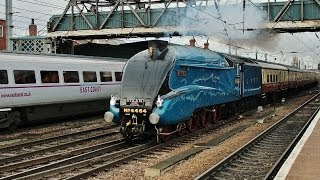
[[116, 77], [102, 76], [41, 78], [6, 71], [34, 76], [1, 31], [69, 82], [84, 76]]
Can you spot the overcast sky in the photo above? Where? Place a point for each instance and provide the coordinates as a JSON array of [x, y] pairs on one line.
[[283, 46], [40, 10]]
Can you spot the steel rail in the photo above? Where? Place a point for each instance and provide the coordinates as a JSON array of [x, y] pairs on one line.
[[53, 148], [34, 161], [98, 168], [45, 140], [250, 150], [68, 161], [82, 161], [50, 171]]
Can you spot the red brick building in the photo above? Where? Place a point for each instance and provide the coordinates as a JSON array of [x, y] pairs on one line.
[[2, 34]]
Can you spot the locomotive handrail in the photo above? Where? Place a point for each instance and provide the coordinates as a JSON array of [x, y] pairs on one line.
[[207, 66]]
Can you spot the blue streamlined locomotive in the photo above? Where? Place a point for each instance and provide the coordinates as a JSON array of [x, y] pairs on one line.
[[169, 88]]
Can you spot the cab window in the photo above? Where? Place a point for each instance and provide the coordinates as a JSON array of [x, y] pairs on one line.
[[118, 76]]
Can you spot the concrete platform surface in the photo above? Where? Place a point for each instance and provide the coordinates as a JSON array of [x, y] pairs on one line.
[[304, 161]]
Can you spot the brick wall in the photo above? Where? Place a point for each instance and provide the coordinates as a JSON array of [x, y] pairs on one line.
[[32, 29], [2, 34]]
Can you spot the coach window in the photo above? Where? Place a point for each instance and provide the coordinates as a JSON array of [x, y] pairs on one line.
[[49, 76], [71, 76], [3, 77], [105, 76], [89, 76], [274, 78], [118, 76], [1, 31], [24, 76]]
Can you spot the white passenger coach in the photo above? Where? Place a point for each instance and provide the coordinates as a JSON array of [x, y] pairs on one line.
[[37, 87]]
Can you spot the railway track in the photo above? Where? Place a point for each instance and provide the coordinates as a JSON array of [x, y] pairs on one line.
[[31, 133], [55, 140], [25, 155], [59, 160], [261, 157], [83, 162], [87, 164]]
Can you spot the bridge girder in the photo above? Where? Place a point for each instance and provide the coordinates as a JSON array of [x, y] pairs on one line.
[[117, 18], [87, 8]]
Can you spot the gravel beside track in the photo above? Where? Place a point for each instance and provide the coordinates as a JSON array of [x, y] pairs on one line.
[[258, 158]]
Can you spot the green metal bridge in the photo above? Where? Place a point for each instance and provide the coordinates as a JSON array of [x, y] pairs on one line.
[[121, 18]]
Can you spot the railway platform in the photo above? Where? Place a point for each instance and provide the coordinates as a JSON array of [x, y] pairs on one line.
[[304, 160]]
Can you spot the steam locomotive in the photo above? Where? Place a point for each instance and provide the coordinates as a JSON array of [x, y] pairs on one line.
[[171, 88]]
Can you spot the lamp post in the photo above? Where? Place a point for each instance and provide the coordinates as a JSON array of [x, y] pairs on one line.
[[9, 24]]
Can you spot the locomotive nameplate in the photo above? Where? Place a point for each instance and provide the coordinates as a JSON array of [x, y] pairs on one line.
[[135, 102]]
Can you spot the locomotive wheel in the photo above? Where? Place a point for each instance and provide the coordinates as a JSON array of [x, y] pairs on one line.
[[204, 118], [13, 127], [191, 124], [181, 129], [215, 115], [126, 134], [165, 138]]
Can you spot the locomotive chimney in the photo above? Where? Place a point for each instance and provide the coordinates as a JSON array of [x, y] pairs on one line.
[[192, 42], [153, 49], [206, 45], [32, 28]]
